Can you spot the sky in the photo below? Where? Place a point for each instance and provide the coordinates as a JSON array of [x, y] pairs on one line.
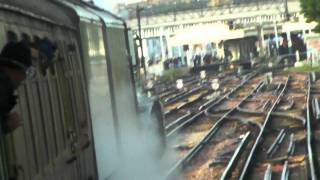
[[109, 4]]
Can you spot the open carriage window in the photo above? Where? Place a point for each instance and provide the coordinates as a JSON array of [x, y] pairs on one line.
[[47, 56]]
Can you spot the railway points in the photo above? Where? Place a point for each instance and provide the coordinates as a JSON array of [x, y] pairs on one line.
[[257, 128]]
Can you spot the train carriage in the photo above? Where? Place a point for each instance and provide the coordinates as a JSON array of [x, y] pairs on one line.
[[72, 109]]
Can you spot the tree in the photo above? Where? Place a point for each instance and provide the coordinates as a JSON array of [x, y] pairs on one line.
[[311, 10]]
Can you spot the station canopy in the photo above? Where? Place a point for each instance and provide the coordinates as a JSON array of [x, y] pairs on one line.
[[206, 34], [298, 26]]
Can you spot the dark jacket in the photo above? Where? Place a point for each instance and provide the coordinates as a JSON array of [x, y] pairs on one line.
[[7, 99]]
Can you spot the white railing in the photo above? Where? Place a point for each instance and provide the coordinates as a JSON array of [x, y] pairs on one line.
[[241, 14]]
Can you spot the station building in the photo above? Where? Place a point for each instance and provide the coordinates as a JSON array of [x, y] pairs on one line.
[[245, 29]]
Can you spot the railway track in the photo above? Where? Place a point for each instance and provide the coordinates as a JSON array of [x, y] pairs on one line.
[[196, 102], [181, 123], [170, 89], [189, 89], [175, 93], [213, 161], [262, 133], [282, 151], [314, 120], [166, 89], [188, 137]]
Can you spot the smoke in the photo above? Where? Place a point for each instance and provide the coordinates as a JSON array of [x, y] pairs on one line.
[[142, 154], [126, 147], [141, 157]]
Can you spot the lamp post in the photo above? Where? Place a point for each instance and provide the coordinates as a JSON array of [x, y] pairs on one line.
[[286, 10], [276, 34], [287, 19], [261, 35], [174, 11], [200, 6], [139, 37]]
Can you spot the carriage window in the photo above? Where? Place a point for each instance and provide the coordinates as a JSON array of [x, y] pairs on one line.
[[55, 57], [71, 48], [47, 51], [12, 36]]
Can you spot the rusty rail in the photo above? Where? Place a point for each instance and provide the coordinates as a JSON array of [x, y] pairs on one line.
[[267, 119], [312, 172], [196, 149], [227, 172], [210, 105]]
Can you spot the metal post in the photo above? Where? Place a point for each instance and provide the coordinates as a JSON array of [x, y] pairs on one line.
[[276, 34], [289, 41], [200, 5], [142, 59], [201, 10], [174, 11], [261, 36], [261, 40], [163, 53], [286, 10]]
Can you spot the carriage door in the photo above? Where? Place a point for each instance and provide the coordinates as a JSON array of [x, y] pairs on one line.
[[99, 98]]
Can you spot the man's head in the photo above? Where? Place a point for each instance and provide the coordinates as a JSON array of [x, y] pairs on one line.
[[15, 59]]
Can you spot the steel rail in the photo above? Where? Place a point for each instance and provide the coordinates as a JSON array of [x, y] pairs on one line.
[[316, 108], [188, 103], [249, 159], [313, 76], [268, 115], [291, 146], [285, 171], [208, 103], [214, 103], [186, 122], [227, 172], [166, 101], [276, 142], [182, 162], [245, 120], [174, 90], [205, 105], [268, 173], [226, 96], [309, 135], [164, 95], [202, 95], [171, 86], [183, 95], [279, 114], [266, 105], [288, 107], [178, 121]]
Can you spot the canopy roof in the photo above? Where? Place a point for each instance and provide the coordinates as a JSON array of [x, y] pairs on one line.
[[298, 26], [206, 34]]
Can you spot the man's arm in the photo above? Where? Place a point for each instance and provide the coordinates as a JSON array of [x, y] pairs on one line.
[[7, 102]]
